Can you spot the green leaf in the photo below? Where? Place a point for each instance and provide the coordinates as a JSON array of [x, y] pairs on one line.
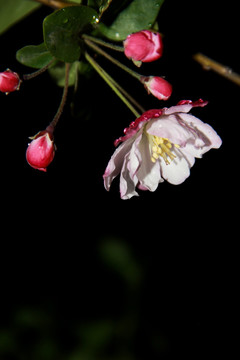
[[62, 30], [36, 56], [139, 15], [11, 11]]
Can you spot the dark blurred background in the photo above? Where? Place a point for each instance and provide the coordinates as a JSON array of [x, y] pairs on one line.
[[88, 276]]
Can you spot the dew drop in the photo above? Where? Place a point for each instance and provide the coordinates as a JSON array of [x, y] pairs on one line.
[[95, 19]]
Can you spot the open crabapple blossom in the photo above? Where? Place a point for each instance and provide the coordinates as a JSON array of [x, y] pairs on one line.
[[143, 46], [9, 81], [41, 151], [161, 144]]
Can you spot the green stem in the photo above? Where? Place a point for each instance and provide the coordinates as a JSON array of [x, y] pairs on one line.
[[111, 83], [125, 93], [103, 43], [38, 72], [56, 118], [114, 61]]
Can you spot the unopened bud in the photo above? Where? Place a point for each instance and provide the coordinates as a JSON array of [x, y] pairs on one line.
[[143, 46], [9, 81], [41, 151], [157, 86]]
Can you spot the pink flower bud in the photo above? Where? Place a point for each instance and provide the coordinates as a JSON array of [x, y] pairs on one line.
[[143, 46], [41, 151], [157, 86], [9, 81]]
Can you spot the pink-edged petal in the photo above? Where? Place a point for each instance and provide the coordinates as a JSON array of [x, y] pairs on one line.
[[184, 106], [128, 177], [177, 109], [135, 157], [168, 127], [137, 124], [149, 173], [127, 184], [115, 163], [203, 131]]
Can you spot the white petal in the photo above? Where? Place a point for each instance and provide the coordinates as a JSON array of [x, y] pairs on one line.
[[168, 127], [128, 178], [134, 156], [115, 164], [149, 173], [191, 150], [203, 131], [127, 184], [177, 171]]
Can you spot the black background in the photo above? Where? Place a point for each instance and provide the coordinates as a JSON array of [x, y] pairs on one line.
[[184, 237]]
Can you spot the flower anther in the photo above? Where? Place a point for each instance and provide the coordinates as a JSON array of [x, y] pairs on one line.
[[161, 147]]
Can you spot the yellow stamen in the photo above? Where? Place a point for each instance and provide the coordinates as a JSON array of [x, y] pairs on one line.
[[161, 147]]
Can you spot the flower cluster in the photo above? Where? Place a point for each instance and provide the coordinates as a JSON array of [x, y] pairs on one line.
[[160, 144]]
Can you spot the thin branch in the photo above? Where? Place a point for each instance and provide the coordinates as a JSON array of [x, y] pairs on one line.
[[225, 71], [38, 72], [56, 118], [56, 4]]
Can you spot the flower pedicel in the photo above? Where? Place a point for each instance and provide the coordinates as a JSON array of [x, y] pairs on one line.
[[160, 144]]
